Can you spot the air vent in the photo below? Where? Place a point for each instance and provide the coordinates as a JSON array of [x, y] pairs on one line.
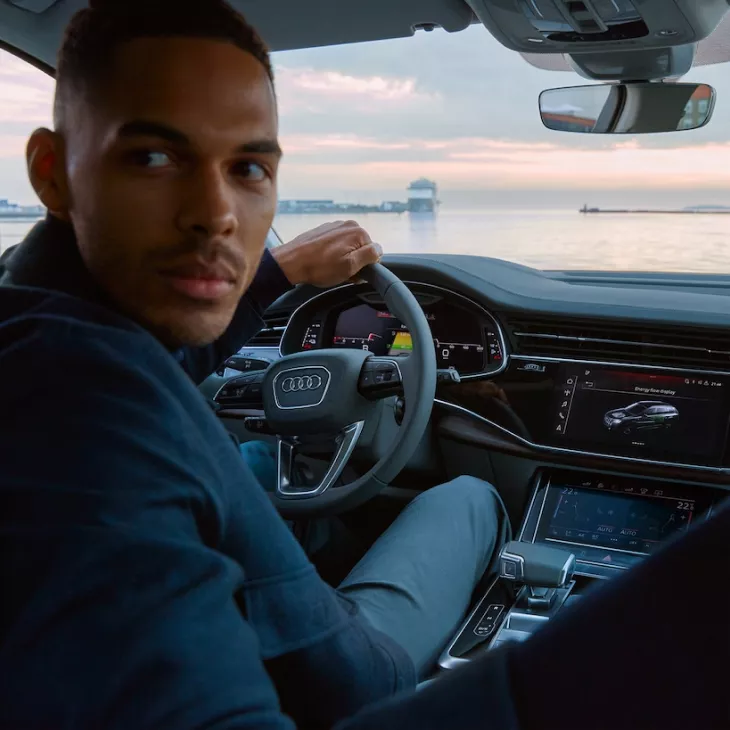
[[612, 343], [270, 336]]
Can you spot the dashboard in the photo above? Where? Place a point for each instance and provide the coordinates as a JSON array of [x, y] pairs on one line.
[[546, 366]]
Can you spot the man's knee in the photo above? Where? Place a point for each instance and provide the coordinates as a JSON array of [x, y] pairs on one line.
[[465, 493], [260, 456]]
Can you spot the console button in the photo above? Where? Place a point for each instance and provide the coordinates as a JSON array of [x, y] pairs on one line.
[[488, 623]]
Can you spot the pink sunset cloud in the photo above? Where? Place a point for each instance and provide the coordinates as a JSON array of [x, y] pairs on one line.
[[483, 163], [308, 89]]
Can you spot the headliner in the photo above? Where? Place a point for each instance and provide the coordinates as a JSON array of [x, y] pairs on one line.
[[36, 28]]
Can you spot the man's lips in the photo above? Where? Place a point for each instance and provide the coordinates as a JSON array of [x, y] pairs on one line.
[[200, 281]]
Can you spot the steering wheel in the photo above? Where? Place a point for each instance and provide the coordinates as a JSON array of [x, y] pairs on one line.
[[348, 395]]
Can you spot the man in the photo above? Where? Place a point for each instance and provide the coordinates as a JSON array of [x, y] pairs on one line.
[[148, 580]]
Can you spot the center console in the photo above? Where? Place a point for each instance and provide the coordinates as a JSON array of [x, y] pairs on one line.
[[580, 528]]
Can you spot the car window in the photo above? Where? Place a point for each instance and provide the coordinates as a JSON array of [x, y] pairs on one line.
[[449, 122], [636, 409], [26, 98]]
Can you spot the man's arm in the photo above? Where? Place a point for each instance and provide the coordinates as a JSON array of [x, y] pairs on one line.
[[115, 614], [150, 581], [325, 256]]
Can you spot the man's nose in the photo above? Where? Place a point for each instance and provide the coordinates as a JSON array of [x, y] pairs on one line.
[[209, 208]]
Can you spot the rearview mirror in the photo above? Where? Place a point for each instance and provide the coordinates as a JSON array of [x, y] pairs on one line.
[[637, 108]]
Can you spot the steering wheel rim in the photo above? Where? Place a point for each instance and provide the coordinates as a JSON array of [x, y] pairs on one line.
[[418, 375]]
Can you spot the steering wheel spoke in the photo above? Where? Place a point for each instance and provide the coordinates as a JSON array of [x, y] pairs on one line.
[[286, 487]]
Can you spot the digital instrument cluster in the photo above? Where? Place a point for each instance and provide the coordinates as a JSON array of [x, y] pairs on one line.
[[459, 339], [463, 339]]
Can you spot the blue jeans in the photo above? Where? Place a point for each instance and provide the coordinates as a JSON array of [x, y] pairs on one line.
[[415, 583]]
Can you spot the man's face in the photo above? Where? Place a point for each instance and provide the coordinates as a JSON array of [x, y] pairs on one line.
[[172, 183]]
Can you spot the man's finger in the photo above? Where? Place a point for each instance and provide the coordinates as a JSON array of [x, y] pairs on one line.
[[369, 254]]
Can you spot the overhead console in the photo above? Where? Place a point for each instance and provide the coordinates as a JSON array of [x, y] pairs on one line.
[[579, 26]]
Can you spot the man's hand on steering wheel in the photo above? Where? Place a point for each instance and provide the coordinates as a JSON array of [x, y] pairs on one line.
[[327, 255]]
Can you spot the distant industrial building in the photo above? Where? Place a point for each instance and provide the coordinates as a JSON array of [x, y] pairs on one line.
[[13, 210], [422, 196]]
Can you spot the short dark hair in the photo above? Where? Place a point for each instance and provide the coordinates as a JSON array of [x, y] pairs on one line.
[[94, 34]]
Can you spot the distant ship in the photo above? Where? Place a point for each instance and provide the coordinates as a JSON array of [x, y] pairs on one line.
[[20, 212]]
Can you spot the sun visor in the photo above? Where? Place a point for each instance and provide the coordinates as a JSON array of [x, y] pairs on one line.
[[287, 24], [598, 26]]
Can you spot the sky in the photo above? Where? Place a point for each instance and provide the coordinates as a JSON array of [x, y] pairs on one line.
[[359, 122]]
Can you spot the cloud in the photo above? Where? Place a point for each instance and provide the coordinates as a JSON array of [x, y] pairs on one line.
[[338, 84], [486, 164], [26, 98], [26, 93], [12, 145], [312, 91], [314, 144]]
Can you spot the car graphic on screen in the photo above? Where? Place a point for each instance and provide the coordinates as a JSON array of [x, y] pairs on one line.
[[645, 415]]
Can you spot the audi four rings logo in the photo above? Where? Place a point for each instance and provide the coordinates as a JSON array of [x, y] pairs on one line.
[[301, 383]]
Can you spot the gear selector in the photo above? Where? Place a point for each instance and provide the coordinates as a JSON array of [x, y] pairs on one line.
[[540, 568]]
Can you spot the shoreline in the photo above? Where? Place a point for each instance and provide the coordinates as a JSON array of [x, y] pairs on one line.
[[650, 211]]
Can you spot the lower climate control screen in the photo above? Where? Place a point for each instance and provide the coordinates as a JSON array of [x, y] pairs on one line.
[[614, 521], [460, 339]]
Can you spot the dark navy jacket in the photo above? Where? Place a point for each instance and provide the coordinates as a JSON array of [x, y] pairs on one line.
[[147, 581]]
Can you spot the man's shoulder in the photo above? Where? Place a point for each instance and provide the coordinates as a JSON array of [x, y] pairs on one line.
[[37, 319], [51, 341], [41, 307], [100, 393]]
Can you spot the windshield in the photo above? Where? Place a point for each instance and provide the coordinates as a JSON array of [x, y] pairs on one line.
[[434, 144], [360, 123]]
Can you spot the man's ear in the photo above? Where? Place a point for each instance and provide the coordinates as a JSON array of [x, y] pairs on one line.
[[45, 157]]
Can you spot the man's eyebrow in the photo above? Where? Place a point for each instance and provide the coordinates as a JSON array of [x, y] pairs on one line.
[[143, 128], [261, 147]]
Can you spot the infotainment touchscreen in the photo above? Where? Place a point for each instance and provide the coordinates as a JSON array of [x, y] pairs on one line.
[[655, 415]]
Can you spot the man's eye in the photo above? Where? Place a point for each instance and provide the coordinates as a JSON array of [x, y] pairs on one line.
[[150, 159], [250, 171]]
